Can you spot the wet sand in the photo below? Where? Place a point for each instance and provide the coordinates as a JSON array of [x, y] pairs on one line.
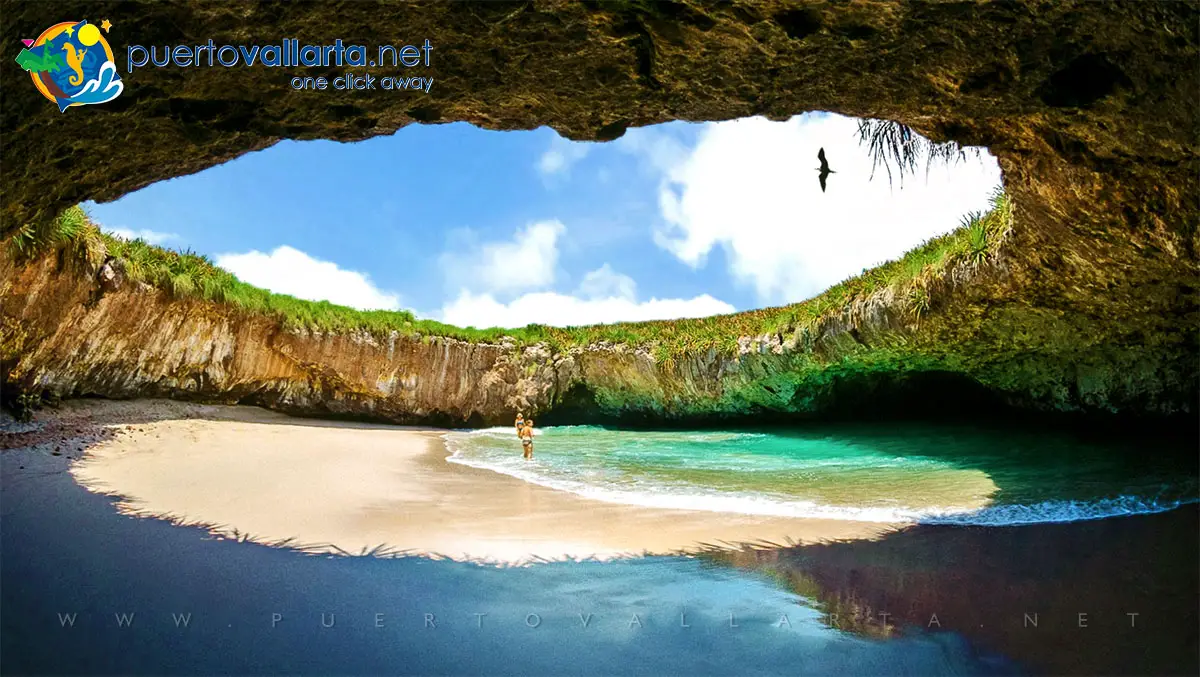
[[348, 487]]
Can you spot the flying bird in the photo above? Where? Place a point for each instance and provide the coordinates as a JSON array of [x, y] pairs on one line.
[[824, 168]]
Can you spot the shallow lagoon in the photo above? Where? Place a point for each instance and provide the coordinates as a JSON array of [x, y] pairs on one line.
[[896, 472]]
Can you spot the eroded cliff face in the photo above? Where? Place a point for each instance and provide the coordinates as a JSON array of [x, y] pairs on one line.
[[1089, 107], [71, 333]]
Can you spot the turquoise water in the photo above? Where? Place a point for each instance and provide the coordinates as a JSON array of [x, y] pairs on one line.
[[878, 473]]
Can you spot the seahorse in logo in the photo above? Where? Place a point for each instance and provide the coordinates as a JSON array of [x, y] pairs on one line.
[[72, 64], [75, 61]]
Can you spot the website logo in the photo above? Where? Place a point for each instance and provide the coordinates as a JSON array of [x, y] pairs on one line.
[[72, 64]]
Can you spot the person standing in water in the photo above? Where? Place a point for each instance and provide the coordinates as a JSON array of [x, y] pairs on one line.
[[526, 436], [520, 423]]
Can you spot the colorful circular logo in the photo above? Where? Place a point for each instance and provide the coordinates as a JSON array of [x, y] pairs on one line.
[[71, 64]]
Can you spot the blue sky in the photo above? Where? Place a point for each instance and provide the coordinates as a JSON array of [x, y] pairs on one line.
[[506, 228]]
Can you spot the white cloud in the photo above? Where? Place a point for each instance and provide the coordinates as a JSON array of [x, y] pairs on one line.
[[150, 236], [484, 272], [750, 186], [561, 310], [606, 282], [561, 155], [528, 261], [291, 271], [661, 151], [603, 296]]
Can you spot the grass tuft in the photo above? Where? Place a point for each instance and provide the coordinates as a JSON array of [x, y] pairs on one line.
[[71, 231]]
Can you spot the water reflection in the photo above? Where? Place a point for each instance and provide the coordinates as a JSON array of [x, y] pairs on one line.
[[1115, 596]]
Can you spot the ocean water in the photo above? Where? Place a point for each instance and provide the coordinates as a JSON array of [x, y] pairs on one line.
[[880, 473]]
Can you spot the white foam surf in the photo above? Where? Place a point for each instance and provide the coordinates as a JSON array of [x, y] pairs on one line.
[[696, 498]]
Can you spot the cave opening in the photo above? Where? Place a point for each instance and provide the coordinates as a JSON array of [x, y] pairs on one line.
[[476, 228], [454, 232]]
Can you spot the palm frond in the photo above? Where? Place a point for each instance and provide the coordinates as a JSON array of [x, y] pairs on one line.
[[896, 147]]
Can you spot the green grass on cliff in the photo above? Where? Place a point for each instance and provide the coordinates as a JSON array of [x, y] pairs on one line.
[[187, 275]]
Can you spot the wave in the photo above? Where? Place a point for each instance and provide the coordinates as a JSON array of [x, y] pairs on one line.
[[709, 502], [651, 494], [1048, 512], [106, 86]]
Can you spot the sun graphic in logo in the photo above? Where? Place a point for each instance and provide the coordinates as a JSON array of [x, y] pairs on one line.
[[72, 64]]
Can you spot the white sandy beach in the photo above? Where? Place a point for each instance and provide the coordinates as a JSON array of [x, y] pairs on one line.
[[255, 474]]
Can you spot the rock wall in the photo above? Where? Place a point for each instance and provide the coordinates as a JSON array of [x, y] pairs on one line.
[[1108, 87], [68, 333]]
